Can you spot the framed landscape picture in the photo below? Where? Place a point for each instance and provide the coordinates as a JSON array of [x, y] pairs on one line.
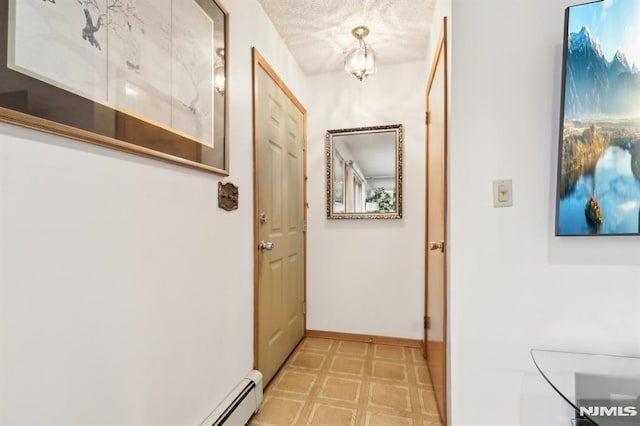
[[143, 76], [598, 190]]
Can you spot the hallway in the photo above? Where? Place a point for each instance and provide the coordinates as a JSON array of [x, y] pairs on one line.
[[331, 382]]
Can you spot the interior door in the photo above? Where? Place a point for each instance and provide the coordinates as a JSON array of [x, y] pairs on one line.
[[436, 266], [280, 217]]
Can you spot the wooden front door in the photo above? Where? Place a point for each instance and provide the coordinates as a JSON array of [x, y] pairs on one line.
[[436, 267], [279, 125]]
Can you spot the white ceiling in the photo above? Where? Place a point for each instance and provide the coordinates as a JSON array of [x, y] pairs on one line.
[[318, 32], [373, 153]]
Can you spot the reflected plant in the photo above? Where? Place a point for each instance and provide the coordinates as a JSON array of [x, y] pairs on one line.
[[386, 201]]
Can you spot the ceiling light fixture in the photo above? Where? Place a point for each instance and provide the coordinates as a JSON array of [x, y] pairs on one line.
[[360, 62], [218, 72]]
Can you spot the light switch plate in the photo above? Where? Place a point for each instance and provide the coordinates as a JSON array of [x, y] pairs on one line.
[[502, 193]]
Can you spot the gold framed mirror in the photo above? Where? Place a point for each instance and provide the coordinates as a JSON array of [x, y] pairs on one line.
[[364, 172]]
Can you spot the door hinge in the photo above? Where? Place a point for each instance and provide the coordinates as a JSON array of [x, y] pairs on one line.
[[304, 226], [304, 308], [427, 117], [427, 323]]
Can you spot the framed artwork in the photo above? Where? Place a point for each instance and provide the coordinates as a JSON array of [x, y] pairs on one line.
[[142, 76], [598, 188]]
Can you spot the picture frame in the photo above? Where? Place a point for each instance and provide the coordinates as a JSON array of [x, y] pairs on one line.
[[598, 179], [148, 77]]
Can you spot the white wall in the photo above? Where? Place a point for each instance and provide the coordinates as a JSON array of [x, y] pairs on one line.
[[441, 9], [367, 276], [125, 293], [513, 285]]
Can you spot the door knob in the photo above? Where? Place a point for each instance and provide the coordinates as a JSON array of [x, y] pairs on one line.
[[434, 245], [266, 246]]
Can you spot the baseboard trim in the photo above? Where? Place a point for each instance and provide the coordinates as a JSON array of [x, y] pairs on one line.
[[364, 338], [435, 345]]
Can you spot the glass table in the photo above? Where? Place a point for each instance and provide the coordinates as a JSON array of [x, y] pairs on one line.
[[604, 390]]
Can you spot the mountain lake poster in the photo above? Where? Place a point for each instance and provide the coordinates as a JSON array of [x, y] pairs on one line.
[[599, 160]]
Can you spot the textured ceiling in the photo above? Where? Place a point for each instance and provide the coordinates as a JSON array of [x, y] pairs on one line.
[[318, 32]]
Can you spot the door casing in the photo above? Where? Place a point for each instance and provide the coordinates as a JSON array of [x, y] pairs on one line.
[[436, 352]]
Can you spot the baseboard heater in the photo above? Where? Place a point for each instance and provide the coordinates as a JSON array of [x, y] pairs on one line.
[[242, 403]]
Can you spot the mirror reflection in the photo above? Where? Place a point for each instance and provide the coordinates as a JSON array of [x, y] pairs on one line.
[[218, 156], [364, 178]]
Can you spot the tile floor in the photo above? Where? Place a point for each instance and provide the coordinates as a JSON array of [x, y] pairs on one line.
[[330, 382]]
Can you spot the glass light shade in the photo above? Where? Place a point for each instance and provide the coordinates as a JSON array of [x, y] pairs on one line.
[[360, 62], [218, 79]]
